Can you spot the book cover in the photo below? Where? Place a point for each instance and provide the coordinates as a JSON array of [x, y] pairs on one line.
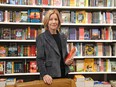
[[45, 2], [113, 65], [89, 65], [81, 33], [89, 50], [71, 53], [86, 34], [80, 17], [79, 65], [8, 67], [72, 2], [10, 81], [72, 33], [65, 30], [95, 34], [65, 16], [17, 16], [33, 67], [65, 2], [3, 51], [57, 2], [6, 33], [2, 82], [73, 17], [34, 15], [1, 67], [24, 16], [12, 50], [19, 34], [1, 16], [89, 82]]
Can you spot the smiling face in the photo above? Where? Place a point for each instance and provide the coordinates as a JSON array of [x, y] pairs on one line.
[[53, 22]]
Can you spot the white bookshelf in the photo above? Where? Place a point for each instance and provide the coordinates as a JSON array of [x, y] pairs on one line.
[[7, 6]]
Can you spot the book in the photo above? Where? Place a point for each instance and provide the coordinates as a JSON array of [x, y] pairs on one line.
[[10, 81], [79, 65], [89, 65], [6, 33], [65, 16], [71, 53], [2, 82], [1, 16], [34, 15], [9, 67], [24, 16], [3, 51], [95, 34], [65, 30], [12, 50], [89, 82], [57, 2], [81, 33], [80, 17], [113, 66], [19, 34], [33, 67], [1, 67], [79, 80], [89, 50]]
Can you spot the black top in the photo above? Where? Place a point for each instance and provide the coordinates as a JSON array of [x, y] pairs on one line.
[[58, 41]]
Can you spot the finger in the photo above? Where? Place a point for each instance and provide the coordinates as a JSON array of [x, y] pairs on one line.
[[44, 80], [49, 80]]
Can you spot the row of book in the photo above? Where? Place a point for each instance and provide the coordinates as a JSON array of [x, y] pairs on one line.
[[18, 66], [72, 33], [89, 33], [14, 49], [24, 33], [82, 81], [94, 65], [78, 3], [82, 16], [82, 49], [37, 15], [32, 15], [9, 81], [93, 49]]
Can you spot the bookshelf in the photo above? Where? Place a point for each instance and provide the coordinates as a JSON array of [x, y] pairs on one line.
[[11, 7]]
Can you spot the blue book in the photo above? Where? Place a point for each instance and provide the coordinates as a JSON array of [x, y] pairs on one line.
[[34, 15]]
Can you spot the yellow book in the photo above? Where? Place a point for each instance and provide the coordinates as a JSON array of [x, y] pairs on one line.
[[80, 16], [79, 78], [72, 2], [86, 3], [12, 67], [89, 65]]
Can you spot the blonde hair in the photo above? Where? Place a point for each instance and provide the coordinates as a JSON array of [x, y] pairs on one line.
[[47, 17]]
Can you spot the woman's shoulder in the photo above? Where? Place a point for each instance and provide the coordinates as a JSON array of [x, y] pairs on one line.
[[40, 36]]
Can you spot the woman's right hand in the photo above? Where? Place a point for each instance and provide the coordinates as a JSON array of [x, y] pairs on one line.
[[47, 79]]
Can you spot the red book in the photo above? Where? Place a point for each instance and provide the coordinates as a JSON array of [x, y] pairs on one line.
[[71, 53], [33, 67]]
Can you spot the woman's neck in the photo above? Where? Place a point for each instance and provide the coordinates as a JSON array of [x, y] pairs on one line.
[[53, 31]]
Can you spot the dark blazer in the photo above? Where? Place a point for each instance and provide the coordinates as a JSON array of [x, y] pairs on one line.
[[48, 55]]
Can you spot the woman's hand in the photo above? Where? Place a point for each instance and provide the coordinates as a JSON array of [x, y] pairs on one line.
[[69, 61], [47, 79]]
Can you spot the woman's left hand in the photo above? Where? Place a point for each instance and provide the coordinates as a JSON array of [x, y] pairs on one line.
[[69, 61]]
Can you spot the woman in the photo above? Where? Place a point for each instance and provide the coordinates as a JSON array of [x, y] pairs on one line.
[[52, 49]]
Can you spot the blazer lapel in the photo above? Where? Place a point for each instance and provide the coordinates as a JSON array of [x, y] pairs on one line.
[[62, 42], [51, 41]]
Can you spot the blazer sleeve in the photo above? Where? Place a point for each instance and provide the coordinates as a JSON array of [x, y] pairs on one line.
[[40, 55]]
